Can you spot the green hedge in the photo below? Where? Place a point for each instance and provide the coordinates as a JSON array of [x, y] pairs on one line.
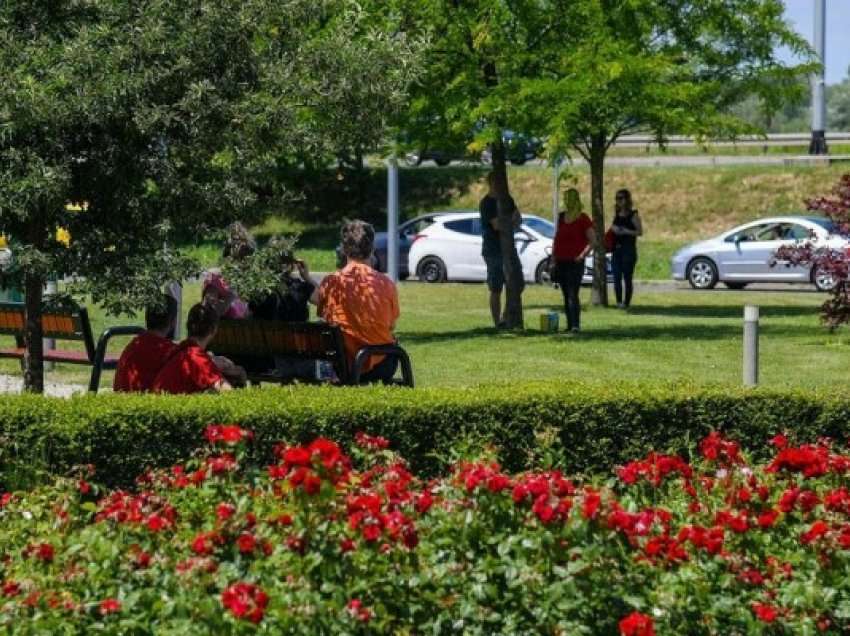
[[590, 428]]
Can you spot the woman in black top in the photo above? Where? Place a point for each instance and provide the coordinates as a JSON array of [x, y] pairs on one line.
[[626, 227]]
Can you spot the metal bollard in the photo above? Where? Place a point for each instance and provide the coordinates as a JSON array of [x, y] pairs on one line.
[[751, 345]]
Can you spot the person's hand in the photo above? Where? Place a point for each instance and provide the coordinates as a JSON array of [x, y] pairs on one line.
[[303, 270]]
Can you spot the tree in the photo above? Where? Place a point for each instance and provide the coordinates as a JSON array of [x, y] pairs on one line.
[[830, 261], [478, 52], [165, 118], [662, 67]]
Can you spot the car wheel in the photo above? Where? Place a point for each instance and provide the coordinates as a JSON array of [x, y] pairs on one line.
[[823, 281], [413, 159], [518, 160], [541, 274], [735, 286], [486, 157], [431, 270], [442, 161], [702, 273]]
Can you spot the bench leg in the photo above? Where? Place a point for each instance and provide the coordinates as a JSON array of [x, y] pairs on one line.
[[94, 382]]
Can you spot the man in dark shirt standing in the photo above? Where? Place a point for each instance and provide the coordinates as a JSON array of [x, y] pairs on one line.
[[491, 247]]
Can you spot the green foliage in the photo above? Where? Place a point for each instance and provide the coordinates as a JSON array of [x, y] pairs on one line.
[[220, 545], [167, 119], [257, 275], [597, 427]]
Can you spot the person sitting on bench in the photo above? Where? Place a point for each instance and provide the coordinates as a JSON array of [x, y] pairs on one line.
[[362, 302], [190, 369], [142, 359]]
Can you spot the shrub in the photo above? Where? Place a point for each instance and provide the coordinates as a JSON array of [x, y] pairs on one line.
[[583, 428], [318, 543]]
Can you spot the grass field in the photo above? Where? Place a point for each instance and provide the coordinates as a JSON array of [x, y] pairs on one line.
[[678, 205], [667, 336]]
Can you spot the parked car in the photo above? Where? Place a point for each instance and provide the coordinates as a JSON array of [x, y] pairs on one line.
[[406, 233], [745, 254], [519, 148], [450, 248]]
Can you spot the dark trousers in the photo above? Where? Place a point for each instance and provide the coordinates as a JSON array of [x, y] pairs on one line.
[[623, 262], [568, 275], [383, 372]]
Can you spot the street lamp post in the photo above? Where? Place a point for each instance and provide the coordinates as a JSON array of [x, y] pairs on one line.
[[818, 143]]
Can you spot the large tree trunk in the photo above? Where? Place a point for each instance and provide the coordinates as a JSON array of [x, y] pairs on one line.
[[597, 149], [512, 317], [33, 356]]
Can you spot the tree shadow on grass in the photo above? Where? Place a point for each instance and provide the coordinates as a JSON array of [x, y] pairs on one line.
[[667, 333], [698, 311]]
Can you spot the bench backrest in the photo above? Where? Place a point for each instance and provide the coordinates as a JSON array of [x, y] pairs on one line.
[[58, 325], [304, 340]]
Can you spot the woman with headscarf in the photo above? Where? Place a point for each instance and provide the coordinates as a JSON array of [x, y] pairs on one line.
[[573, 239]]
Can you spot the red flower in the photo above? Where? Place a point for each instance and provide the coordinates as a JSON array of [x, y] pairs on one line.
[[370, 442], [637, 624], [296, 456], [347, 545], [84, 487], [765, 613], [156, 522], [228, 433], [768, 518], [42, 551], [245, 600], [204, 543], [246, 543], [779, 441], [5, 498], [110, 606], [590, 506], [224, 511], [11, 588], [815, 532], [356, 610]]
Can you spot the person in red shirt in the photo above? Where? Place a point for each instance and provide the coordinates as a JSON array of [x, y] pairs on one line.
[[142, 359], [190, 369], [573, 240]]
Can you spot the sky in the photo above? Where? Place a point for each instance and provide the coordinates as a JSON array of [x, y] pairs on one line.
[[800, 14]]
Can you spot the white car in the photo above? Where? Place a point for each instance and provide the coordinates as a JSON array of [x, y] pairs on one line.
[[745, 254], [450, 248]]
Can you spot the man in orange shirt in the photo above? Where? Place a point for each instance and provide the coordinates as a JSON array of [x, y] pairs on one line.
[[361, 301], [146, 354]]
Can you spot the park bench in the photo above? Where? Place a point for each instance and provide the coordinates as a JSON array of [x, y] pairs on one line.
[[71, 325], [302, 341]]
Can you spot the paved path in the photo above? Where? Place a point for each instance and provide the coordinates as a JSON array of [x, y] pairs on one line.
[[13, 384]]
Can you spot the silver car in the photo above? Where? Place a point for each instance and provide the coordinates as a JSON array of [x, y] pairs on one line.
[[745, 254]]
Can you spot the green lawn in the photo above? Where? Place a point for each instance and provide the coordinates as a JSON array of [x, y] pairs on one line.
[[667, 336]]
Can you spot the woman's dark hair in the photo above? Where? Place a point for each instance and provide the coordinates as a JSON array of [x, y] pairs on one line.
[[627, 198], [358, 240], [239, 243], [161, 315], [202, 321]]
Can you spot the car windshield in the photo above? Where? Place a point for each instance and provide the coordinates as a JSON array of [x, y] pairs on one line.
[[541, 226], [825, 223]]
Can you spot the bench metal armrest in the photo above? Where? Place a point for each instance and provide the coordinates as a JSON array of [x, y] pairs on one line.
[[392, 350], [100, 351]]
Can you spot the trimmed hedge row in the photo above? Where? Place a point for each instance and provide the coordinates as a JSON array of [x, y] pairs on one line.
[[590, 427]]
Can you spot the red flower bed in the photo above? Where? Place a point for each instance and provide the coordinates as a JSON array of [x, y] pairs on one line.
[[324, 542]]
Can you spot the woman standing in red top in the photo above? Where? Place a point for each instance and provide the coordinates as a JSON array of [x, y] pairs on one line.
[[573, 239]]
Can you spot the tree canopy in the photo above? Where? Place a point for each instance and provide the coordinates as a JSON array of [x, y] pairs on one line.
[[162, 119]]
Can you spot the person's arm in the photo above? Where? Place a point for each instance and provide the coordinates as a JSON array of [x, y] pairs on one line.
[[638, 225], [590, 235], [304, 272]]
